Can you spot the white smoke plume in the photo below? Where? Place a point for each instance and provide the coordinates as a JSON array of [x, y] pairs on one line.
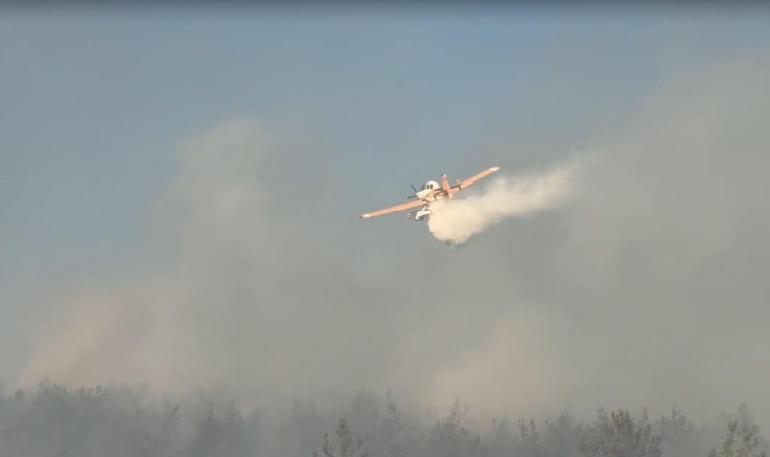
[[456, 221]]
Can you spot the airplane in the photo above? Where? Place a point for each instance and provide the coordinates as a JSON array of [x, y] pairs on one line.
[[430, 192]]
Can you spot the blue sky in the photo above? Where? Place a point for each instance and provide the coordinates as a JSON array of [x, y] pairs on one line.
[[96, 102]]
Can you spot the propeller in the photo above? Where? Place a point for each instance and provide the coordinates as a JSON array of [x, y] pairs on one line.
[[415, 191]]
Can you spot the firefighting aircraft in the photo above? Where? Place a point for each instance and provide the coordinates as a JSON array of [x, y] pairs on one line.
[[430, 192]]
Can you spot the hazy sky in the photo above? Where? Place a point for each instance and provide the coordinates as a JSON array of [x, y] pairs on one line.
[[179, 193]]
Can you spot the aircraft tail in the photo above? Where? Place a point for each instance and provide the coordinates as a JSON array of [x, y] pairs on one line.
[[445, 186]]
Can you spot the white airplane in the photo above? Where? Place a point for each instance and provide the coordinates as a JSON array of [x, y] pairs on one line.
[[430, 192]]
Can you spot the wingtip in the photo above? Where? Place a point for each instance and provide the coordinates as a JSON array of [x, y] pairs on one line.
[[365, 216], [495, 168]]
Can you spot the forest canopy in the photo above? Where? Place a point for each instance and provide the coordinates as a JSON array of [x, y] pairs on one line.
[[53, 420]]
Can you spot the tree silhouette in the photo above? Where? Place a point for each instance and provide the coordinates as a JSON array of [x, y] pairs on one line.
[[742, 440], [346, 447], [617, 435]]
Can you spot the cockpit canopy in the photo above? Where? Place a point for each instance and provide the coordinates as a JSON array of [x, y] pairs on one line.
[[430, 185]]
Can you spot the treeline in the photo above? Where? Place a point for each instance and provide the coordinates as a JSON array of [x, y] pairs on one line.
[[119, 422], [124, 422]]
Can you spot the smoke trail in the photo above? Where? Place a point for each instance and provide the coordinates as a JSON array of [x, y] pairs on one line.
[[455, 221]]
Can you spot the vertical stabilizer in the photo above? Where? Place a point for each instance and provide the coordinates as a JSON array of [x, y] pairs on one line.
[[445, 186]]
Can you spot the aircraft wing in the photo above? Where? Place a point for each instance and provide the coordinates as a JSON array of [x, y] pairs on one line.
[[477, 177], [394, 209]]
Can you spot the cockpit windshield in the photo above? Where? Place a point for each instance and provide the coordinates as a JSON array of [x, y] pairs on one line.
[[430, 185]]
